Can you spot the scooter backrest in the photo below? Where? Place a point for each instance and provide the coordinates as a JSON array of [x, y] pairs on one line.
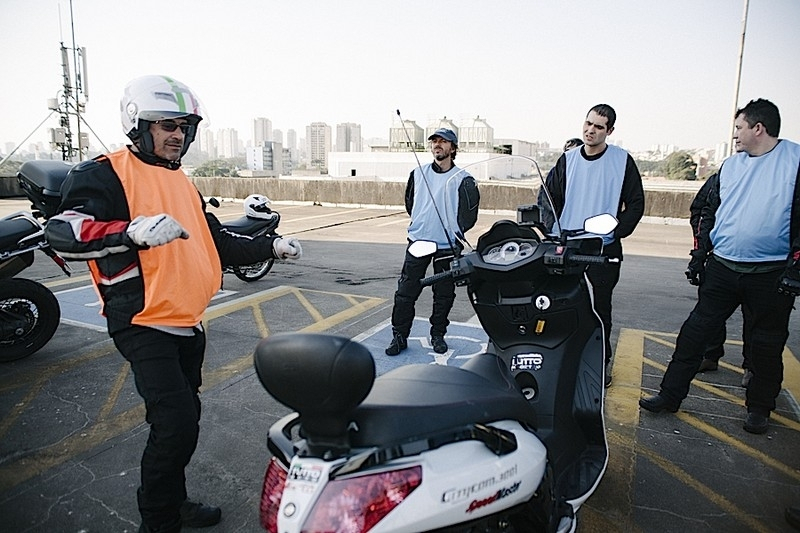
[[322, 377]]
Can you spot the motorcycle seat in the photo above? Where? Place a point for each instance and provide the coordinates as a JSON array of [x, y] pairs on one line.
[[14, 230], [415, 400], [246, 225]]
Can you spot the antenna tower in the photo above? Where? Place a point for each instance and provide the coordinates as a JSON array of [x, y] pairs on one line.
[[72, 102]]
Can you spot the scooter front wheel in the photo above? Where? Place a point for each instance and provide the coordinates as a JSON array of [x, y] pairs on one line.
[[253, 272], [29, 317]]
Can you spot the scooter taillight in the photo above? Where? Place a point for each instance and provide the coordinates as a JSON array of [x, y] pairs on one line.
[[356, 504], [274, 482]]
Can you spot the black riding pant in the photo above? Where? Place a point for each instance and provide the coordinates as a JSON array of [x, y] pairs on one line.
[[409, 289], [167, 373], [767, 314]]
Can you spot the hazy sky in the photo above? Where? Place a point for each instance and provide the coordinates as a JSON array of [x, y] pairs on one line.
[[531, 68]]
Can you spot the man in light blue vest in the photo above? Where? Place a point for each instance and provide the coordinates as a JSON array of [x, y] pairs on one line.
[[433, 191], [748, 247], [595, 179]]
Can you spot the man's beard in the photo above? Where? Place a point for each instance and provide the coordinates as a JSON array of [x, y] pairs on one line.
[[441, 156]]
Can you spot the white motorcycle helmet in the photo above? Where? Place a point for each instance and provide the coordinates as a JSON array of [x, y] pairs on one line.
[[255, 206], [152, 98]]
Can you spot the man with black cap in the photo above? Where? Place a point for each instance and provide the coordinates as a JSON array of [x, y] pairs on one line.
[[433, 191]]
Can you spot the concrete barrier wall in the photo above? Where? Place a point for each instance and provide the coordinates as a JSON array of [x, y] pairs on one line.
[[494, 195]]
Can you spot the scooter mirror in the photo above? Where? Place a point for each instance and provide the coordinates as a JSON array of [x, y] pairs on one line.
[[600, 224], [422, 248]]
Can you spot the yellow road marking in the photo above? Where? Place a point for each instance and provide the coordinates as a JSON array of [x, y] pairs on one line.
[[67, 281], [15, 472], [613, 497], [113, 396], [23, 404], [708, 493], [622, 419], [789, 361], [316, 315]]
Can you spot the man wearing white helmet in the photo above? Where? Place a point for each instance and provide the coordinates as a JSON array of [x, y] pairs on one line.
[[156, 259]]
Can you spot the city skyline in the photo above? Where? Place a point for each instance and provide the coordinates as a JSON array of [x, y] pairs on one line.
[[532, 69]]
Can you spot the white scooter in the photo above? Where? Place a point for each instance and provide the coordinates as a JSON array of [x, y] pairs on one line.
[[512, 441]]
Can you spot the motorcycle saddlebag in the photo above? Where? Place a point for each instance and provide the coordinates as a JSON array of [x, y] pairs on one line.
[[41, 182]]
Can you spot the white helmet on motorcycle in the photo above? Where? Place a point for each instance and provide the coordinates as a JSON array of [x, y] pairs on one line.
[[255, 206], [152, 98]]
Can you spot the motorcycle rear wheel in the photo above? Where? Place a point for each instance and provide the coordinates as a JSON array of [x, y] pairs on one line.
[[253, 272], [29, 317]]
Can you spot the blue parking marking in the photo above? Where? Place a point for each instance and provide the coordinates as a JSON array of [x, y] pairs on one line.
[[81, 307], [464, 340]]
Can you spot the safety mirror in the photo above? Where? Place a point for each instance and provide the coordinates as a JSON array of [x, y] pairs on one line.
[[600, 224], [422, 248]]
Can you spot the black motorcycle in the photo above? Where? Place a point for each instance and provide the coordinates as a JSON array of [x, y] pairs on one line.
[[29, 311], [258, 220]]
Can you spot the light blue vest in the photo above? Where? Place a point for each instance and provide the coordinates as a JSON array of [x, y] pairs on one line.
[[425, 223], [593, 187], [754, 214]]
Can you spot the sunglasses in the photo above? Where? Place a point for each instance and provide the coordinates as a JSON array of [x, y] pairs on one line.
[[169, 126]]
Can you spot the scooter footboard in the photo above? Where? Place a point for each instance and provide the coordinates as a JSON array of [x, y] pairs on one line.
[[581, 478]]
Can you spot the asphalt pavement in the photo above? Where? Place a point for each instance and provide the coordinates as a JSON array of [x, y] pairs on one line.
[[72, 426]]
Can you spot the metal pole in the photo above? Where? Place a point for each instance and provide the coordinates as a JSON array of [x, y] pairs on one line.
[[738, 77], [77, 82]]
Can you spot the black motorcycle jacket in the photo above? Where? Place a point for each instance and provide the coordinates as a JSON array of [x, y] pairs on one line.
[[91, 225]]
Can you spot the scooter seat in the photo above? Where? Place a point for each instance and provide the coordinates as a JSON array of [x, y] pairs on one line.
[[418, 400]]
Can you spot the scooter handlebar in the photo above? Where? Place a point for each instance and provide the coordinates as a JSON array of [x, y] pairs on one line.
[[430, 280], [590, 259]]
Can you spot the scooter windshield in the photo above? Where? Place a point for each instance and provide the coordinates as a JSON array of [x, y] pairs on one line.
[[521, 193]]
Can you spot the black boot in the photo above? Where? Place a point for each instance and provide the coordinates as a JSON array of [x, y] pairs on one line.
[[195, 514], [397, 345], [658, 404], [438, 344]]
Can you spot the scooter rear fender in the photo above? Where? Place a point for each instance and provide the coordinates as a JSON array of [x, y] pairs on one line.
[[461, 482]]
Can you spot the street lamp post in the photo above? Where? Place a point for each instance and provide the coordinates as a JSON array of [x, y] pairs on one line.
[[738, 76]]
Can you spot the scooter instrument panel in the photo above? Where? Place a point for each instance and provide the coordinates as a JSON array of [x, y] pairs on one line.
[[508, 253]]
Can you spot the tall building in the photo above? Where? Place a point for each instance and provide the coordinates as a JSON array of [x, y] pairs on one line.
[[266, 157], [227, 143], [262, 131], [207, 144], [318, 144], [277, 136], [348, 137], [291, 145]]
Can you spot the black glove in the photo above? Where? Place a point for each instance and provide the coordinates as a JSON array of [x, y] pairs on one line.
[[696, 271], [789, 282]]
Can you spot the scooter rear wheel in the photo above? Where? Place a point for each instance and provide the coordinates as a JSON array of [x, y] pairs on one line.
[[253, 272], [29, 317]]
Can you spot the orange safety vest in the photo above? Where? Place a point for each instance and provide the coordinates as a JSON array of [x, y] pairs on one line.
[[179, 277]]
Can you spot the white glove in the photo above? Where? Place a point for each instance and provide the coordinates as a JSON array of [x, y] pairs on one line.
[[155, 230], [287, 248]]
